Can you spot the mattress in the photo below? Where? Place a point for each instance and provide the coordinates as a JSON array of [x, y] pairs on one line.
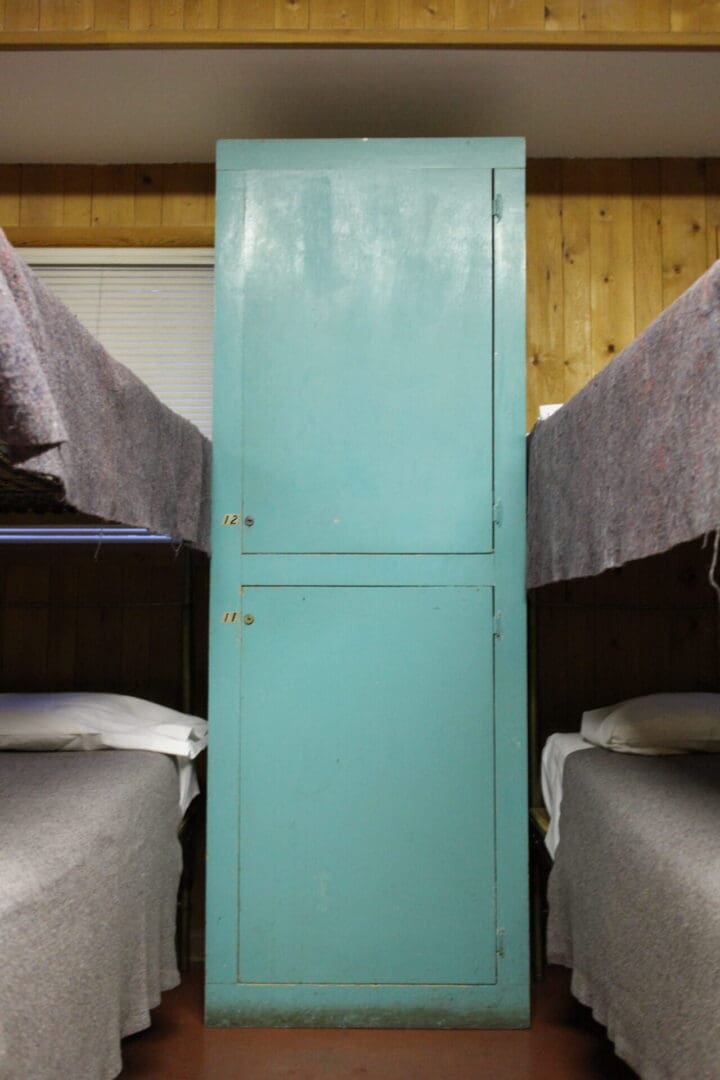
[[634, 910], [86, 426], [629, 466], [552, 765], [90, 871]]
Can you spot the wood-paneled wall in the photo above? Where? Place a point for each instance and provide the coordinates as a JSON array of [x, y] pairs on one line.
[[131, 205], [652, 626], [610, 243], [348, 22], [115, 618]]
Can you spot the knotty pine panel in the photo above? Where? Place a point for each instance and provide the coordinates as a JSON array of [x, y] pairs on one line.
[[610, 244], [444, 22], [128, 205]]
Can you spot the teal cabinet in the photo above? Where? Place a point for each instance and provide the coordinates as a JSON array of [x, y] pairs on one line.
[[367, 793]]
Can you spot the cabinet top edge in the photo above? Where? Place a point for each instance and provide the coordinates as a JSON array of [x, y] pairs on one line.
[[440, 153]]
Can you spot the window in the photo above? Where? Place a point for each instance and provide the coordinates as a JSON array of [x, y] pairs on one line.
[[152, 309]]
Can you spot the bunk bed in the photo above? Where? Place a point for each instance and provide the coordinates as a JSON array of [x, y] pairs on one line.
[[79, 430], [629, 468], [90, 852]]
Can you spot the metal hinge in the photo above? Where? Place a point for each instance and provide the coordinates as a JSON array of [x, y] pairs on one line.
[[497, 513], [497, 207], [500, 949], [497, 625]]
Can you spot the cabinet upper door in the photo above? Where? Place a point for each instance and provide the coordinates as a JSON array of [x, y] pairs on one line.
[[364, 331]]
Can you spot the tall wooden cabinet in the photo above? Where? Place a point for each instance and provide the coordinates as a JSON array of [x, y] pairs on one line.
[[367, 778]]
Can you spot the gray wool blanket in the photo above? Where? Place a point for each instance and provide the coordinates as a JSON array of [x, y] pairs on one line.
[[635, 905], [89, 871], [630, 467], [71, 412]]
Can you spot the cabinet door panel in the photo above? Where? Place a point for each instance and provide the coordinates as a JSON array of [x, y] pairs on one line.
[[367, 361], [366, 788]]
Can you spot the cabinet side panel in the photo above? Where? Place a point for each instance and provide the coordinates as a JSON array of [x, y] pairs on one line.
[[511, 648]]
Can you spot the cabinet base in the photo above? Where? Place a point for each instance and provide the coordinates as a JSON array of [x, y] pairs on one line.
[[417, 1007]]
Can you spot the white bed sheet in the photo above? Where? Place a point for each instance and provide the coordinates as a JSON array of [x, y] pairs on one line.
[[552, 763]]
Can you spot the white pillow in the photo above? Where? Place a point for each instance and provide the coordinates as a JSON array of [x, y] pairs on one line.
[[657, 724], [88, 721]]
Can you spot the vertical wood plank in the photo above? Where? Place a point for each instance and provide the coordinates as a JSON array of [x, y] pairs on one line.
[[628, 15], [562, 15], [684, 240], [149, 194], [427, 14], [65, 563], [113, 197], [246, 14], [695, 16], [112, 14], [580, 646], [577, 179], [516, 15], [545, 345], [24, 638], [77, 196], [653, 15], [292, 14], [165, 625], [185, 194], [41, 200], [337, 14], [22, 15], [166, 14], [200, 14], [472, 14], [10, 182], [712, 197], [612, 272], [140, 14], [647, 241], [100, 619], [210, 201], [552, 655], [135, 651], [66, 14]]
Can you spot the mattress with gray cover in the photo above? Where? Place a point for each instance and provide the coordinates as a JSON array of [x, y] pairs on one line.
[[635, 905], [89, 872]]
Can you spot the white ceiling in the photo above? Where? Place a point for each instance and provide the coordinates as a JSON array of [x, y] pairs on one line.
[[171, 105]]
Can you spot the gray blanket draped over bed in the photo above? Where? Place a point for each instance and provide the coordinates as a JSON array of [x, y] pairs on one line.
[[69, 411], [635, 905], [630, 467], [90, 864]]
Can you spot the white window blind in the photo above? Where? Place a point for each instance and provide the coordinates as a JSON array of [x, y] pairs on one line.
[[156, 318]]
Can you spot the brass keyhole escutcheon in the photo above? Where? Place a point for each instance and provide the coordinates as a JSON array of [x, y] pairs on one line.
[[249, 620]]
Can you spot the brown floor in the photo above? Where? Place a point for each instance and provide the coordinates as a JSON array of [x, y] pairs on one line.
[[563, 1043]]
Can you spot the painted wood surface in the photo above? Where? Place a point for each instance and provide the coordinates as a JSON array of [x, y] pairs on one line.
[[650, 226], [354, 715], [355, 862], [609, 23], [346, 281]]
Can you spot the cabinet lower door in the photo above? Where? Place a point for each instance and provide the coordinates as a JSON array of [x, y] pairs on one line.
[[366, 832]]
